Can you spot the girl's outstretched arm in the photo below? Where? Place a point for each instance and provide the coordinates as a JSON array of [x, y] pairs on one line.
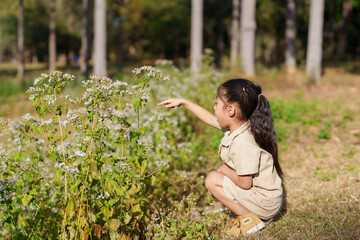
[[203, 114]]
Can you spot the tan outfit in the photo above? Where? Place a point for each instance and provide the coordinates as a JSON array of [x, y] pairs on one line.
[[241, 153]]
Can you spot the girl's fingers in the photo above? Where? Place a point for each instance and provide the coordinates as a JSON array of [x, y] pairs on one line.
[[166, 102], [170, 103]]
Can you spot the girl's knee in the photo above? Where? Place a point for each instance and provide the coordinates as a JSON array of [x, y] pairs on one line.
[[213, 178]]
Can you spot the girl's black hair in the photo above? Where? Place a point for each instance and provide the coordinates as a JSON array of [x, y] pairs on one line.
[[254, 106]]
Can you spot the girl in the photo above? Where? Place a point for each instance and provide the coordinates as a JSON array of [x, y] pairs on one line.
[[249, 182]]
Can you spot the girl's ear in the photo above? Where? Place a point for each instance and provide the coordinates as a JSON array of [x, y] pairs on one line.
[[231, 111]]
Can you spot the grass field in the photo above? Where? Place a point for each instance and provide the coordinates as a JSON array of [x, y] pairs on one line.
[[319, 139]]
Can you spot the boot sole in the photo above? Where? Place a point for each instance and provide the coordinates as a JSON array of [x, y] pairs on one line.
[[256, 228]]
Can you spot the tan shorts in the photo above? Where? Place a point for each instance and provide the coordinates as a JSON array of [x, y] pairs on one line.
[[263, 208]]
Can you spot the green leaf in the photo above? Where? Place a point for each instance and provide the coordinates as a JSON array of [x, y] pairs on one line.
[[92, 217], [58, 110], [119, 190], [26, 199], [39, 130], [134, 189], [94, 171], [41, 111], [141, 84], [70, 209], [127, 218], [107, 213], [143, 167], [114, 235], [112, 202], [114, 224], [72, 232], [90, 117], [136, 208], [153, 180], [21, 221], [136, 105]]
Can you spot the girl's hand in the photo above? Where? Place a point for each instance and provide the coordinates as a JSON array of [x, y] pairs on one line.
[[172, 102], [203, 114], [243, 181]]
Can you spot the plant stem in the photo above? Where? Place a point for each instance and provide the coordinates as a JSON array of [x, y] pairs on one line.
[[138, 118], [64, 159], [122, 143], [92, 129], [85, 180]]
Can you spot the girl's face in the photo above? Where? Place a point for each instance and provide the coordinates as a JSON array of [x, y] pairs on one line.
[[221, 113]]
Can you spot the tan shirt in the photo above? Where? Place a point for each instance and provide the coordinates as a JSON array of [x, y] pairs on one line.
[[241, 153]]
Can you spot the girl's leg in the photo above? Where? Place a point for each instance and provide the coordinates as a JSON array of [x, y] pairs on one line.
[[214, 184]]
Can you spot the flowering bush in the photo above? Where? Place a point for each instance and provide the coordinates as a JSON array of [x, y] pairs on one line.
[[79, 168], [100, 163]]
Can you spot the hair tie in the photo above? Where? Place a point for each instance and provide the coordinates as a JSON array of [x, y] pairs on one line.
[[244, 89], [260, 95]]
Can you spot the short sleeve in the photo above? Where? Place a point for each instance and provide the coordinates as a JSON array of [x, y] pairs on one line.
[[246, 158]]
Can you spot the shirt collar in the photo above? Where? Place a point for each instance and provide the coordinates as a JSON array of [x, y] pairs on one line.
[[229, 137]]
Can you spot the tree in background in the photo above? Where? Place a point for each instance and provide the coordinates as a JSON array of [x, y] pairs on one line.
[[147, 30], [344, 27], [52, 36], [99, 57], [315, 40], [247, 43], [290, 34], [0, 45], [85, 39], [196, 34], [234, 47], [21, 58]]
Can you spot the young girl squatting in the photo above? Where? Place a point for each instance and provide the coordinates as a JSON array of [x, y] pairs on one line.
[[249, 181]]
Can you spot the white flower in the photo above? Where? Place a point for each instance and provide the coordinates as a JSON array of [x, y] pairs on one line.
[[69, 76], [64, 123], [36, 81], [80, 153], [40, 141], [50, 121], [119, 83], [50, 99], [145, 96], [88, 101], [27, 117]]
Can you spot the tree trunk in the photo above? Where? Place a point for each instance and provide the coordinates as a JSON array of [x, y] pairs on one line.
[[331, 36], [0, 45], [52, 36], [315, 40], [220, 36], [234, 48], [247, 44], [290, 34], [21, 65], [344, 28], [85, 39], [196, 34], [100, 38]]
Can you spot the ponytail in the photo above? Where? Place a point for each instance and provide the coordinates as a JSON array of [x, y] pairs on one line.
[[254, 106], [262, 127]]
